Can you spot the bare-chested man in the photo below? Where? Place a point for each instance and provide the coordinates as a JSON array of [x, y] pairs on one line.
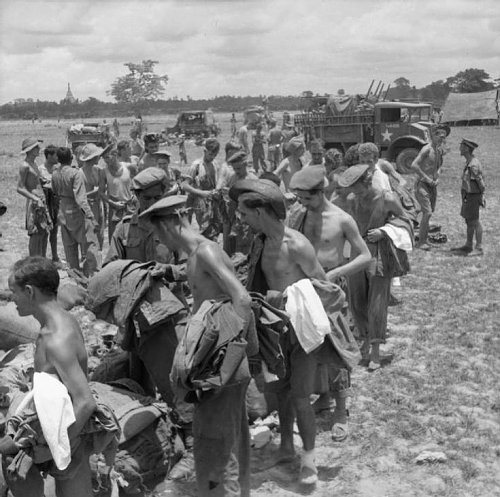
[[427, 165], [60, 350], [220, 424], [369, 290], [282, 256], [294, 150], [328, 228]]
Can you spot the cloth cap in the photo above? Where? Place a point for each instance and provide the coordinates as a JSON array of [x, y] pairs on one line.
[[472, 145], [309, 178], [162, 153], [238, 156], [166, 206], [295, 146], [263, 189], [29, 144], [89, 151], [351, 175], [149, 177]]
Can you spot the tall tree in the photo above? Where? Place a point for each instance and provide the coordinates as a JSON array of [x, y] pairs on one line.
[[402, 82], [470, 81], [141, 84]]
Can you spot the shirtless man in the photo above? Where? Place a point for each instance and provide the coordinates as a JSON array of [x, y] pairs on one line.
[[284, 257], [218, 446], [294, 150], [427, 165], [151, 145], [317, 153], [369, 290], [328, 228], [382, 169], [115, 190], [29, 185], [60, 350]]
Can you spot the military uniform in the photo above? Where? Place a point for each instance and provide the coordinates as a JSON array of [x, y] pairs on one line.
[[76, 218], [135, 239]]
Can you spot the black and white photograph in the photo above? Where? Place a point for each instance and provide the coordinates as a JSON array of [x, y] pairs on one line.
[[249, 248]]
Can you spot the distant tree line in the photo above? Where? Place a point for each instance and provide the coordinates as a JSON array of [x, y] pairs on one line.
[[140, 89], [92, 107]]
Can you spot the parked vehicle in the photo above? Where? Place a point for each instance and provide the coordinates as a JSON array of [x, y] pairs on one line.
[[193, 123], [399, 129], [81, 134]]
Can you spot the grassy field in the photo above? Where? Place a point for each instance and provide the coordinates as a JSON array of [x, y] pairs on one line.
[[441, 393]]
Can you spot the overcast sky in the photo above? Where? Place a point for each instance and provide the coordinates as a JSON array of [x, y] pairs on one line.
[[241, 47]]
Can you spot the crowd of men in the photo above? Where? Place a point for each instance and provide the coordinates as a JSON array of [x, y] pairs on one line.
[[329, 235]]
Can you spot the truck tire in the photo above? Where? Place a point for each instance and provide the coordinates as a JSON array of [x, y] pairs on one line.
[[405, 159]]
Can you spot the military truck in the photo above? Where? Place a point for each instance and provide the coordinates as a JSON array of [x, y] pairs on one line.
[[399, 129], [83, 133], [193, 123]]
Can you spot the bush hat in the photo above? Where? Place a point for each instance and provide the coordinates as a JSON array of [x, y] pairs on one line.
[[469, 143], [29, 144], [261, 189], [166, 206], [163, 153], [149, 177], [90, 151], [351, 175]]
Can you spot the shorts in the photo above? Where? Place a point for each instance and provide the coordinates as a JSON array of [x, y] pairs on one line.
[[426, 196], [470, 206], [301, 368]]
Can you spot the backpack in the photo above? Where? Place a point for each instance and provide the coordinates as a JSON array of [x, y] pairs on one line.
[[149, 444]]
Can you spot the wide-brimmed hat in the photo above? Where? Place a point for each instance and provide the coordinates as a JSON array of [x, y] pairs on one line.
[[29, 144], [162, 153], [264, 190], [352, 174], [165, 207], [443, 127], [90, 151], [148, 178]]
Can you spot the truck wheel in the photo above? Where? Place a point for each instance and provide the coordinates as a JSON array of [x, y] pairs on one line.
[[405, 159]]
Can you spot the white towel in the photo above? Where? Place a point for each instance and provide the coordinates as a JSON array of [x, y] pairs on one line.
[[399, 236], [307, 314], [55, 412]]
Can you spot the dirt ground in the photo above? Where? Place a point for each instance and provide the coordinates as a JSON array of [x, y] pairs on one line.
[[441, 391]]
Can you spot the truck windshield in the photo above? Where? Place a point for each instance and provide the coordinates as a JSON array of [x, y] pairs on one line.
[[405, 114]]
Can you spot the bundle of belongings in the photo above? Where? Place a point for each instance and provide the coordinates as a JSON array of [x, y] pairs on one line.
[[149, 444], [36, 430], [133, 296], [300, 299], [213, 351]]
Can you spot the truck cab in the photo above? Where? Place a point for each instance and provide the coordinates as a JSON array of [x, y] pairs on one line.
[[401, 129]]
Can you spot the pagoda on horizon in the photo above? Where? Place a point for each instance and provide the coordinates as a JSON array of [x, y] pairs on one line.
[[69, 98]]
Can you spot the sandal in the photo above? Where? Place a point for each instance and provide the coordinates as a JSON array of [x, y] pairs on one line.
[[308, 474], [340, 431]]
